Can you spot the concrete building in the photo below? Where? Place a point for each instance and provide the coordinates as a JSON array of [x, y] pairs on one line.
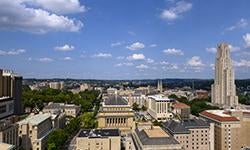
[[69, 109], [111, 91], [231, 128], [159, 107], [155, 139], [9, 133], [224, 89], [98, 139], [6, 107], [181, 110], [137, 98], [56, 85], [192, 134], [11, 86], [159, 86], [84, 87], [115, 112], [34, 131]]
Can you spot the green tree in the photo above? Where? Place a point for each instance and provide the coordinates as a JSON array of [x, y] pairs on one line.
[[88, 120]]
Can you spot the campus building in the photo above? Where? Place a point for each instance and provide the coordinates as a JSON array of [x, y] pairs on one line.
[[98, 139], [115, 112]]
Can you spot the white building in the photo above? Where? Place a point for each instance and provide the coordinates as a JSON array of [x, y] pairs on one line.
[[56, 85], [159, 107], [224, 89]]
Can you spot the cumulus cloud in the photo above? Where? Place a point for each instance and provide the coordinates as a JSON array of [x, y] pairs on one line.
[[102, 55], [242, 63], [59, 6], [149, 60], [195, 61], [246, 39], [173, 51], [67, 58], [136, 57], [136, 46], [124, 64], [240, 24], [12, 52], [164, 63], [176, 11], [153, 45], [19, 15], [45, 59], [116, 44], [64, 48], [142, 66], [211, 49]]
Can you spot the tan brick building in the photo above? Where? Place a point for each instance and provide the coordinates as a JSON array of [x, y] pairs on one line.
[[34, 131], [192, 134], [9, 133], [231, 128], [115, 112], [99, 139]]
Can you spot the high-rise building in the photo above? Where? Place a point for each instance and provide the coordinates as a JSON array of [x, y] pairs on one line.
[[11, 87], [159, 86], [224, 89]]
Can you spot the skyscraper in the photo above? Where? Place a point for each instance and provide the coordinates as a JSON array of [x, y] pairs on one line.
[[224, 89]]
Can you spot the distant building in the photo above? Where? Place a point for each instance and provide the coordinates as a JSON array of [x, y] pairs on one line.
[[224, 89], [84, 87], [159, 86], [115, 112], [56, 85], [192, 134], [155, 139], [10, 88], [111, 91], [201, 94], [231, 128], [159, 107], [98, 139], [34, 131], [181, 110], [69, 109], [137, 98]]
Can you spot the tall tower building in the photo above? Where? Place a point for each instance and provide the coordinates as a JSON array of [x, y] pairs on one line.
[[159, 86], [224, 89]]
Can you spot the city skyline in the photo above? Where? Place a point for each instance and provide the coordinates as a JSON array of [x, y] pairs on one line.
[[122, 39]]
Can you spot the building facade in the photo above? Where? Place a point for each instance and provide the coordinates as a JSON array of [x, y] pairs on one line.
[[224, 89], [9, 133], [159, 107], [181, 110], [98, 139], [231, 128], [34, 131], [192, 134], [56, 85], [115, 112]]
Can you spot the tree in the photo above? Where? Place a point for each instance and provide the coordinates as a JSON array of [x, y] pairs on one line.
[[88, 120]]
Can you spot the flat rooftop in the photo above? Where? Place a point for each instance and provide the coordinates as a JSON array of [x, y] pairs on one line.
[[156, 132], [98, 133], [35, 119], [218, 115], [115, 100], [159, 97]]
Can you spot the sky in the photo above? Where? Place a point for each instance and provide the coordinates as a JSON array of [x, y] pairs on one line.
[[122, 39]]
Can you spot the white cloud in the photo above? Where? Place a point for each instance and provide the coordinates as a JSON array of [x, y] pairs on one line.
[[240, 24], [150, 61], [67, 58], [153, 45], [132, 33], [124, 64], [195, 61], [212, 66], [176, 11], [136, 46], [120, 57], [136, 57], [18, 15], [45, 59], [116, 44], [242, 63], [65, 48], [173, 51], [12, 52], [142, 66], [59, 6], [102, 55], [211, 50], [164, 63], [246, 39]]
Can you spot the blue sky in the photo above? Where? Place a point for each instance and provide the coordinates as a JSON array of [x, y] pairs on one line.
[[118, 39]]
